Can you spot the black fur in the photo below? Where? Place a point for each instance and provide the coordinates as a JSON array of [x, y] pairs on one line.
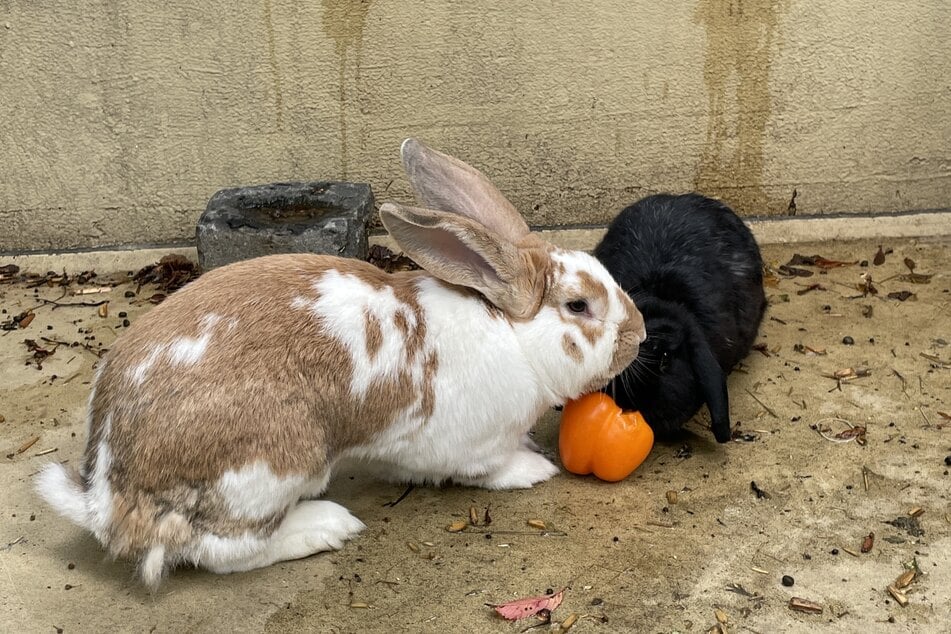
[[695, 272]]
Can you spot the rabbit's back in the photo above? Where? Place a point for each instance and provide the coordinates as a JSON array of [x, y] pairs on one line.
[[696, 252]]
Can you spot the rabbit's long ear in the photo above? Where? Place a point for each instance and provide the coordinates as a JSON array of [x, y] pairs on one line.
[[443, 182], [463, 252], [712, 382]]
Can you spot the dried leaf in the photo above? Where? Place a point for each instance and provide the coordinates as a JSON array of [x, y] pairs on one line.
[[804, 605], [794, 272], [488, 518], [811, 287], [760, 493], [170, 273], [26, 319], [29, 443], [540, 525], [910, 264], [456, 526], [868, 542], [473, 516], [858, 433], [383, 258], [104, 310], [910, 525], [672, 497], [823, 263], [904, 579], [523, 608], [847, 374], [879, 258], [769, 278], [916, 278], [801, 260], [898, 595], [867, 287], [901, 295], [568, 623]]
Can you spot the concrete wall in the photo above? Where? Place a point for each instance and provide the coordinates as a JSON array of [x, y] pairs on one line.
[[119, 118]]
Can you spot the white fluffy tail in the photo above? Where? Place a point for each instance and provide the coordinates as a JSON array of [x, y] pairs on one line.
[[152, 567], [62, 490]]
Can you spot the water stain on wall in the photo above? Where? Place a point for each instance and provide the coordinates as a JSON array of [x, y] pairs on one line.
[[343, 21], [272, 63], [741, 36]]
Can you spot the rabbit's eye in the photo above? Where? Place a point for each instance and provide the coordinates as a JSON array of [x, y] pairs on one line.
[[577, 306]]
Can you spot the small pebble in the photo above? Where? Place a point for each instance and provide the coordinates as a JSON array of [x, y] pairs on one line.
[[835, 551], [126, 322], [947, 460], [123, 314], [71, 566], [847, 340], [129, 294], [788, 581]]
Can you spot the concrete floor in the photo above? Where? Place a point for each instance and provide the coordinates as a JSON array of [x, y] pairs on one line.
[[630, 560]]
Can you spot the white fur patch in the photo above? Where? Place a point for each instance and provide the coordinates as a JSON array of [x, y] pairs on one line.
[[187, 350], [55, 485], [255, 492], [181, 351], [308, 528], [99, 492], [343, 302], [138, 373], [153, 566]]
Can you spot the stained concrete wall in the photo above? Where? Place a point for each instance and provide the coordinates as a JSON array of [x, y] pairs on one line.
[[119, 119]]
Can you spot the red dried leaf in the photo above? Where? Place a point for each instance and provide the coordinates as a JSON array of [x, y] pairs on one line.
[[522, 608]]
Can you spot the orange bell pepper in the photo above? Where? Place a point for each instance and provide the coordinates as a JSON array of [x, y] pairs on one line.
[[595, 436]]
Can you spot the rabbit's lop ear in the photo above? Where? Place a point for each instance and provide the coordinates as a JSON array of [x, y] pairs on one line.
[[712, 382], [443, 182], [462, 252]]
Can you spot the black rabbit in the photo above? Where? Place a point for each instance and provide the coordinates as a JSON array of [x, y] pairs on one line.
[[696, 274]]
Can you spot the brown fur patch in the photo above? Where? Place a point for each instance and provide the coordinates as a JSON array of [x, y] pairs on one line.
[[428, 404], [273, 388], [373, 333], [591, 287], [571, 348]]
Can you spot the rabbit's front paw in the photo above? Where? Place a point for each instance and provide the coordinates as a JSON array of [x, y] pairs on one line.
[[523, 469]]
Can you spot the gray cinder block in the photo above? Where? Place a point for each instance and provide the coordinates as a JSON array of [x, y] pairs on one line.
[[312, 217]]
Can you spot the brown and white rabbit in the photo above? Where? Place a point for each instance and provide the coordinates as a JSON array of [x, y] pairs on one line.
[[218, 416]]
